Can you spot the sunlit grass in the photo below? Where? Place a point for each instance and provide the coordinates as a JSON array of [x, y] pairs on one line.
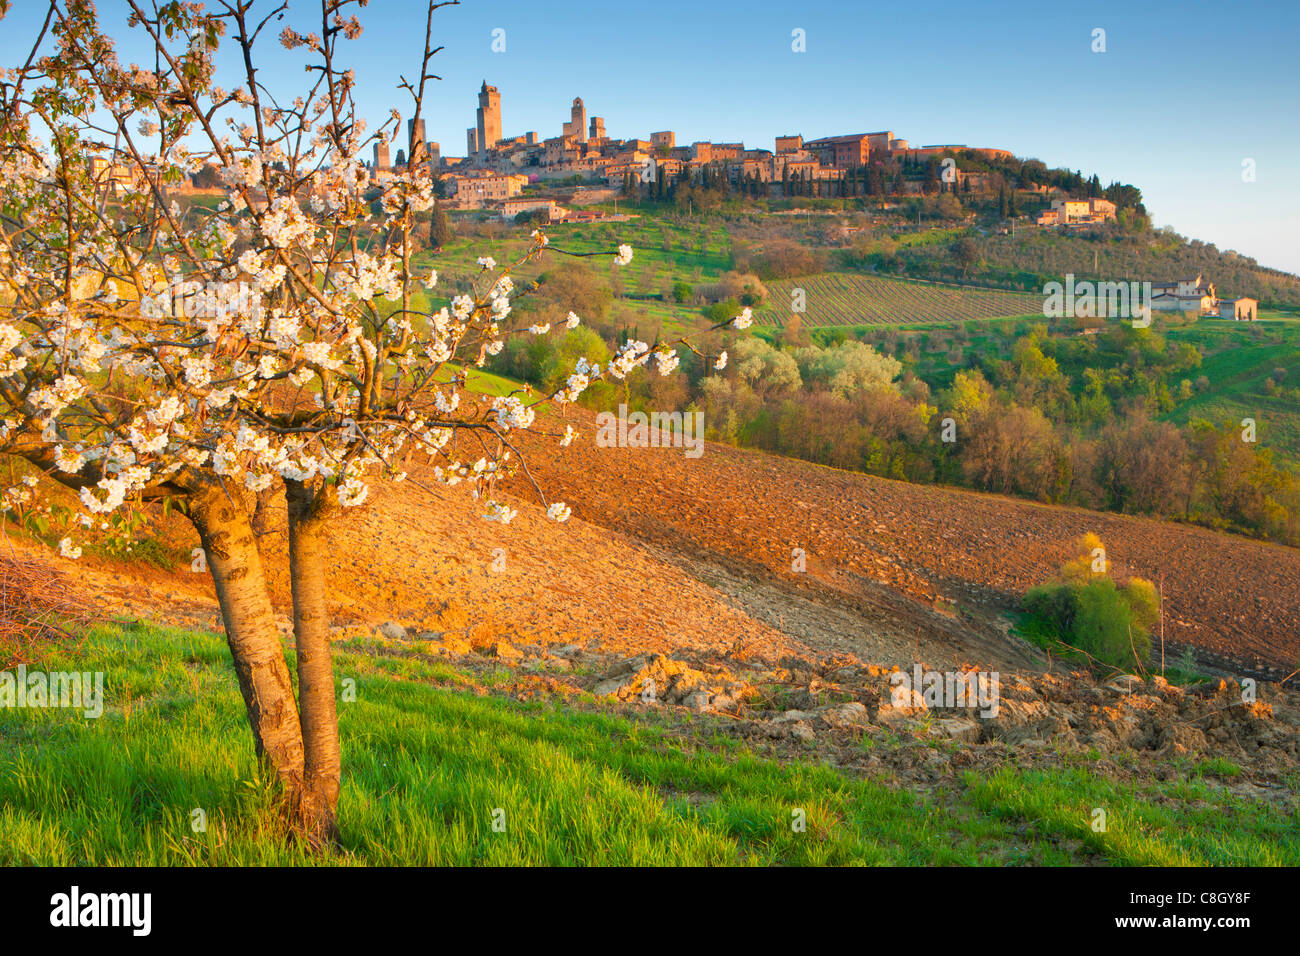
[[430, 766]]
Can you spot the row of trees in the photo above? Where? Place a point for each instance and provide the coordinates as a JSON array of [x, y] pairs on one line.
[[709, 185], [1126, 249]]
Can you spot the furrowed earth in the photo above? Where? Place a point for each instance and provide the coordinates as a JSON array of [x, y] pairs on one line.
[[676, 584]]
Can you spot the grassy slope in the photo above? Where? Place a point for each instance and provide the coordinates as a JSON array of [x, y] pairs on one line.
[[667, 252], [1237, 364], [427, 759]]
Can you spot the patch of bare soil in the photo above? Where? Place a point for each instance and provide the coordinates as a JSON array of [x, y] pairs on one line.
[[893, 553]]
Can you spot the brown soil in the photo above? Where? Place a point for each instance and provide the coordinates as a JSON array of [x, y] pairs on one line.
[[665, 552], [887, 551]]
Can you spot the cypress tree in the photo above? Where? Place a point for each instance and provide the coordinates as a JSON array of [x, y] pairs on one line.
[[440, 230]]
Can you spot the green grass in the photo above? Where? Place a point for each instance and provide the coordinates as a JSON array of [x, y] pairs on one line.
[[484, 383], [1196, 827], [668, 251], [1238, 360], [427, 761]]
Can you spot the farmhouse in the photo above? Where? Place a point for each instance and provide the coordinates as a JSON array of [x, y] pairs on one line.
[[1239, 310], [1195, 296], [513, 207], [1077, 212]]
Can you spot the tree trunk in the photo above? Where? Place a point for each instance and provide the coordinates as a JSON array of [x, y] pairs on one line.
[[261, 520], [236, 568], [320, 725], [262, 512]]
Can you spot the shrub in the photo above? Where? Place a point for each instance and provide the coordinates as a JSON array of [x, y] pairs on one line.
[[722, 311], [784, 259], [1105, 626], [1053, 606], [741, 286], [1087, 610], [538, 217], [575, 287]]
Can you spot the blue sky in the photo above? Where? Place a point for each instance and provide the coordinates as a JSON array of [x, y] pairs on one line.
[[1185, 92]]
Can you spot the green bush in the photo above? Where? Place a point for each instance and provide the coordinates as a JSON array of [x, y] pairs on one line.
[[1053, 606], [555, 369], [1110, 623], [722, 311], [1106, 627]]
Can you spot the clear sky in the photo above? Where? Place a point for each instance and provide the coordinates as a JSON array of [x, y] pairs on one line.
[[1185, 91]]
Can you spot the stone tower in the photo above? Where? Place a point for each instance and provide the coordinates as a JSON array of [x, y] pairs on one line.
[[577, 125], [489, 117]]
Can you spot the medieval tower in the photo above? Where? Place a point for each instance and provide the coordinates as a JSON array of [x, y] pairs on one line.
[[577, 125], [489, 117]]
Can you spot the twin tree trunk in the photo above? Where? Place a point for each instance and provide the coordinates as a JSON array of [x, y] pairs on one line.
[[308, 511], [246, 611], [299, 742]]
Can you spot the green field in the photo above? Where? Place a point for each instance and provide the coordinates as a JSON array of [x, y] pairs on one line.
[[669, 251], [664, 252], [1239, 357], [431, 752]]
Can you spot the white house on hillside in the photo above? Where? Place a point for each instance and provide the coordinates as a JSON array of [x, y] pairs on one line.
[[1194, 295]]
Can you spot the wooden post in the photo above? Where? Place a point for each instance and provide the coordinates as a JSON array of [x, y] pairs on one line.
[[1161, 595]]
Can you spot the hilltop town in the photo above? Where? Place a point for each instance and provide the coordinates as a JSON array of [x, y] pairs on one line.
[[554, 179], [577, 176], [496, 169]]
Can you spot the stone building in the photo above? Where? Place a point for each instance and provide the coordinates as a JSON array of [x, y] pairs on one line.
[[1077, 212], [1240, 310], [477, 187], [666, 139], [844, 152]]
